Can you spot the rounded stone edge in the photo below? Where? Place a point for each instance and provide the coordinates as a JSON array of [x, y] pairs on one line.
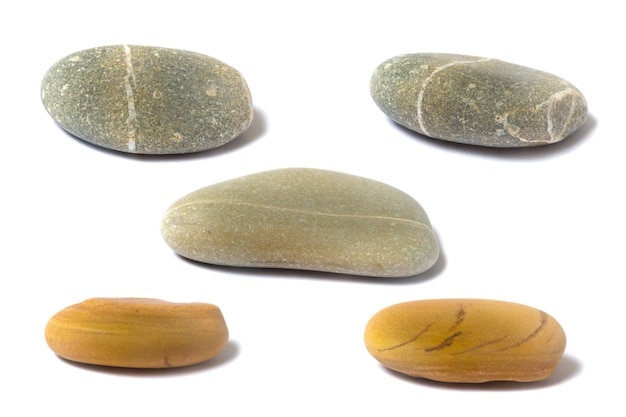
[[74, 341], [543, 369], [413, 120], [131, 148], [422, 260]]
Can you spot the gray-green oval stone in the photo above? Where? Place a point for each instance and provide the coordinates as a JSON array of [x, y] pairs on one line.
[[479, 101], [147, 100], [300, 218]]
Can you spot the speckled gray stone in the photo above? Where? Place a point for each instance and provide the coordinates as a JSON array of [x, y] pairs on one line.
[[477, 101], [301, 218], [147, 100]]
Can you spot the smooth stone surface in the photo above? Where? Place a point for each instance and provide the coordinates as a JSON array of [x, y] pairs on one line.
[[147, 100], [466, 340], [301, 218], [137, 332], [477, 101]]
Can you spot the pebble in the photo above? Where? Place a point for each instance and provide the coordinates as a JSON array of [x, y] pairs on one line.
[[302, 218], [137, 332], [466, 340], [477, 101], [147, 100]]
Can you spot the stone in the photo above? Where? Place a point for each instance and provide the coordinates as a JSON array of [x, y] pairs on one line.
[[466, 340], [147, 100], [477, 101], [303, 218], [137, 332]]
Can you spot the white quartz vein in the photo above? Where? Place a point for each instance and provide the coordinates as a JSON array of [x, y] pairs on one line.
[[217, 202], [129, 82], [552, 102], [420, 96]]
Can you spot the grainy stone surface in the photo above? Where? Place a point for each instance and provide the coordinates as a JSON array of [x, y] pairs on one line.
[[466, 340], [477, 101], [147, 100], [137, 332], [301, 218]]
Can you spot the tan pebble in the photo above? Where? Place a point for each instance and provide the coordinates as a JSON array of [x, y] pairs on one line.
[[137, 332], [466, 340]]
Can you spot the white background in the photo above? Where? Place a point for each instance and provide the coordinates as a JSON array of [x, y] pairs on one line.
[[542, 226]]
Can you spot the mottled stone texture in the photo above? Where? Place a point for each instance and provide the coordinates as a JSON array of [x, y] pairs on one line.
[[300, 218], [477, 101], [147, 100]]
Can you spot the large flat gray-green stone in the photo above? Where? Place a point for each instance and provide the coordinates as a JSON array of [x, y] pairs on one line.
[[477, 101], [302, 218], [147, 100]]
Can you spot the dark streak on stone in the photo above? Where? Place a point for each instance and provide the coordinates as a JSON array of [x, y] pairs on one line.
[[543, 321], [460, 316], [446, 343], [424, 330], [491, 342]]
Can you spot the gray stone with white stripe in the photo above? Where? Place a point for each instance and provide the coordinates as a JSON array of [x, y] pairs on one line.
[[147, 100], [478, 101]]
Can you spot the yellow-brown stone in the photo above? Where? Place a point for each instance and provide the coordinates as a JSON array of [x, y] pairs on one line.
[[137, 332], [466, 340]]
